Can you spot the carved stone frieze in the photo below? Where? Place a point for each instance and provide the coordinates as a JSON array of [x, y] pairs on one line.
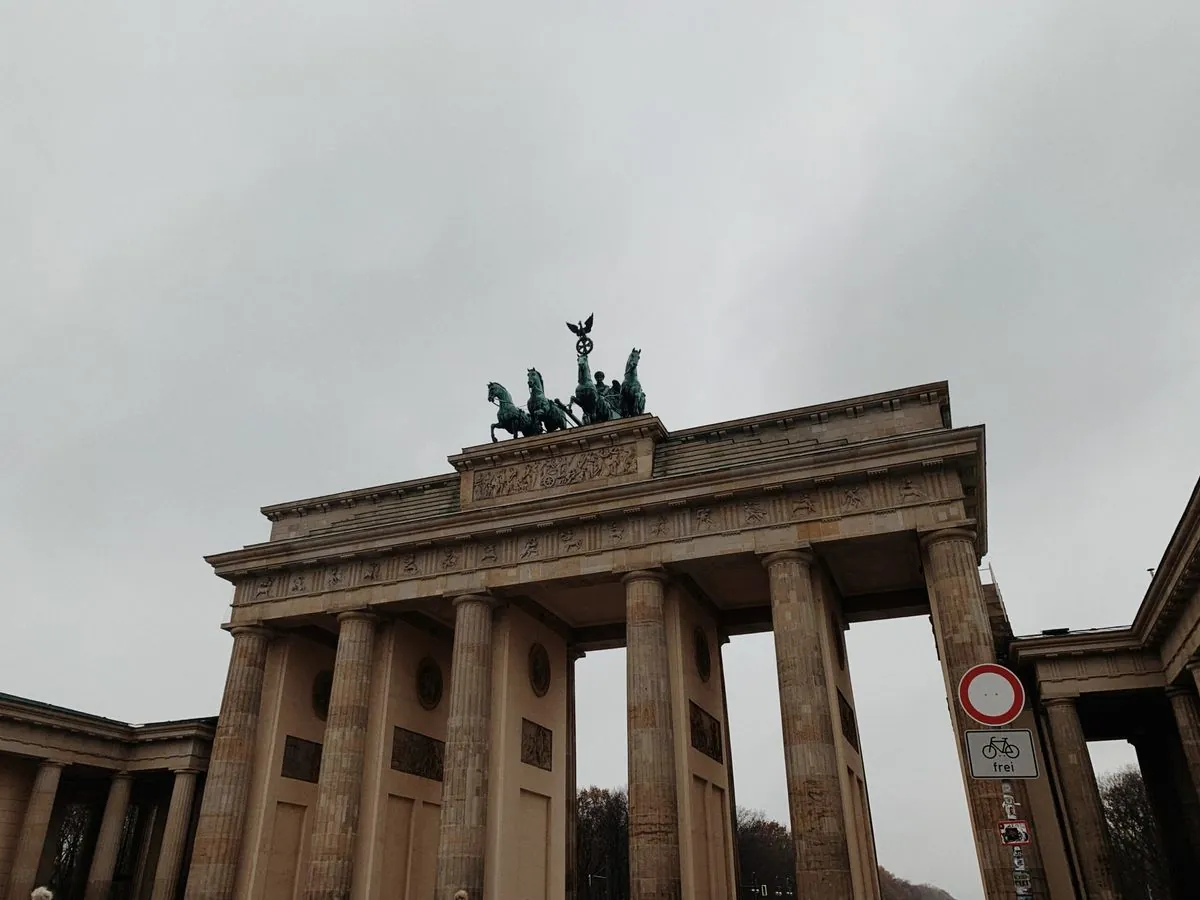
[[821, 500], [706, 733], [537, 745], [301, 759], [556, 472], [418, 754]]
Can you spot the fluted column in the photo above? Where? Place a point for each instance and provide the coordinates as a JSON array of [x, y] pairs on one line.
[[218, 845], [462, 838], [1187, 718], [1081, 796], [733, 831], [822, 851], [112, 824], [174, 838], [572, 785], [335, 823], [33, 829], [963, 633], [654, 870]]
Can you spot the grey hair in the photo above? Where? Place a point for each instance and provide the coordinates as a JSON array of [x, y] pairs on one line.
[[42, 893]]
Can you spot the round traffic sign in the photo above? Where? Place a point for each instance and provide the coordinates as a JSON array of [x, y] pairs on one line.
[[991, 694]]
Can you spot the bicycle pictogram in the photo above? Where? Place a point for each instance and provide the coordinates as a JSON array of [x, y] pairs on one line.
[[1000, 747]]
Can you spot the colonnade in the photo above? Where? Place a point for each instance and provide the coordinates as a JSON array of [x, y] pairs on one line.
[[35, 829], [819, 828], [1084, 818]]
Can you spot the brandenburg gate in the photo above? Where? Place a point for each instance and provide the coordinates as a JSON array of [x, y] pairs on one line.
[[399, 716]]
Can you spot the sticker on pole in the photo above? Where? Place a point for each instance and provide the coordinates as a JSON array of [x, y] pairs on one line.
[[1015, 834], [991, 694]]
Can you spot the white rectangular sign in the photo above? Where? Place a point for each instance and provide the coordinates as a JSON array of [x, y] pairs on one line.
[[998, 753]]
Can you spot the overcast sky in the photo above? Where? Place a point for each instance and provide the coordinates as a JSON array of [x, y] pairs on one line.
[[258, 252]]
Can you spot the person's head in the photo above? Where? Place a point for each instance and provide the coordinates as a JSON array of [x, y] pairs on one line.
[[600, 379], [460, 895], [42, 893]]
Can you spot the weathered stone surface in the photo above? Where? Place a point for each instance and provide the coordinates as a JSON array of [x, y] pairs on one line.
[[654, 872], [335, 823], [1082, 798], [34, 828], [809, 754], [218, 844], [463, 834], [174, 838], [108, 842], [964, 639]]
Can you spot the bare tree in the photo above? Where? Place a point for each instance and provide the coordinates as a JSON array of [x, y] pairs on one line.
[[1142, 874], [765, 853], [602, 837]]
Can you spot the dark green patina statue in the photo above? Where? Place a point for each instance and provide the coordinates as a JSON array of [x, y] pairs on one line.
[[597, 401]]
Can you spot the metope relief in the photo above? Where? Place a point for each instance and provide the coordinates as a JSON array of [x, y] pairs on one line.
[[537, 745], [547, 474], [706, 733], [418, 754], [301, 759]]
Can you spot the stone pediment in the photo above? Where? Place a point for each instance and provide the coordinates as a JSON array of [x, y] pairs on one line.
[[564, 462]]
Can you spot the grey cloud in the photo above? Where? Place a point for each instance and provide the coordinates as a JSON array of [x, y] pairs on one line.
[[255, 253]]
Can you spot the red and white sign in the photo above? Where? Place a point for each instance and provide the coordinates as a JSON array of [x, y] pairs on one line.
[[991, 694]]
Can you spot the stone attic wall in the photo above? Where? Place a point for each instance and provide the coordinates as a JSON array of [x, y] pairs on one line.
[[764, 439]]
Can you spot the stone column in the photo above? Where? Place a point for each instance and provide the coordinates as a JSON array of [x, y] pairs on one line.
[[218, 845], [814, 783], [732, 797], [339, 786], [462, 838], [112, 825], [174, 838], [572, 784], [1187, 718], [1081, 796], [33, 829], [654, 868], [964, 639]]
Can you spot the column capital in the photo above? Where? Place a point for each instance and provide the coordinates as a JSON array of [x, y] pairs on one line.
[[1059, 701], [1178, 690], [186, 770], [1192, 665], [645, 575], [966, 535], [351, 615], [122, 775], [52, 763], [478, 597], [252, 629], [803, 555]]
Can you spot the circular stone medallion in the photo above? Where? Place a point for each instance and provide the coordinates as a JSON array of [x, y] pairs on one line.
[[539, 670], [429, 683], [321, 690], [703, 656]]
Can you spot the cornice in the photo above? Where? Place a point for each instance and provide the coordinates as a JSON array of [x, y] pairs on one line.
[[910, 451], [44, 715], [1030, 649], [1176, 576], [934, 392], [347, 499]]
